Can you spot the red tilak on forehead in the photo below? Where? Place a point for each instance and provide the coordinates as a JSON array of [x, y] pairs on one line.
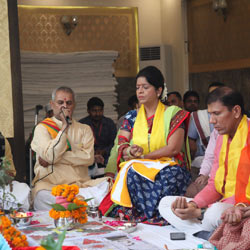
[[64, 99]]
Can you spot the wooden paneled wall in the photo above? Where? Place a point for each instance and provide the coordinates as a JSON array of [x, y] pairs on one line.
[[215, 44], [99, 28], [219, 50]]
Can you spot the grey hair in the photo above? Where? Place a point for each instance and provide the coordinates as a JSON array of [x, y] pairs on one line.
[[64, 89]]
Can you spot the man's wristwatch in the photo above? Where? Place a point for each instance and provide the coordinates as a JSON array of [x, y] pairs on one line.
[[203, 210]]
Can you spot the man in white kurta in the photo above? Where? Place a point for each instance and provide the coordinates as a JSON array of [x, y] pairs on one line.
[[57, 162]]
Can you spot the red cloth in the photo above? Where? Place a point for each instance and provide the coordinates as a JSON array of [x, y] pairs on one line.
[[229, 237], [106, 203]]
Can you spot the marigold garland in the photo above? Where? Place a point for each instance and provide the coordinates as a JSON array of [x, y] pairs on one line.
[[11, 234], [70, 192], [67, 191]]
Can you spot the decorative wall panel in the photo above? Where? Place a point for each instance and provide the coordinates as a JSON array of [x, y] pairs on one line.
[[99, 28], [6, 106], [216, 44]]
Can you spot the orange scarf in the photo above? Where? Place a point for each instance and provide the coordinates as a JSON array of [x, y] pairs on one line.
[[53, 129]]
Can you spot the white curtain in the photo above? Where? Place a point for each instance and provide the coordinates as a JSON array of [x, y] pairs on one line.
[[87, 73]]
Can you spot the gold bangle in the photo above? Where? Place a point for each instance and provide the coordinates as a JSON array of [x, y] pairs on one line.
[[240, 204]]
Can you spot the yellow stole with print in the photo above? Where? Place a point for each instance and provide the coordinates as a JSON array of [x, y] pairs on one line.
[[53, 129], [232, 176]]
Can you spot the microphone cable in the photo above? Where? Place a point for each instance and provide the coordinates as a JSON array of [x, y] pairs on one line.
[[53, 158]]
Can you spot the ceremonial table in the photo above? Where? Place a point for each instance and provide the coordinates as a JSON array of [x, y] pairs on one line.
[[98, 235]]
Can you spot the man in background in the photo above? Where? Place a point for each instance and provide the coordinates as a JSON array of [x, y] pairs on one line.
[[202, 137], [104, 131], [191, 101], [199, 128], [174, 98]]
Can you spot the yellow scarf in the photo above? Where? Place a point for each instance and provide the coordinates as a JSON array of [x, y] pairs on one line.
[[140, 132], [233, 158], [145, 167]]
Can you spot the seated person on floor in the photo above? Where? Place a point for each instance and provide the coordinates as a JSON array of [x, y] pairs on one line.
[[191, 101], [199, 131], [174, 98], [104, 130], [20, 191], [205, 168], [64, 150], [233, 232], [150, 142], [229, 179]]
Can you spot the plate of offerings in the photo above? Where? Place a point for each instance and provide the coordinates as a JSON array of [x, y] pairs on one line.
[[22, 218]]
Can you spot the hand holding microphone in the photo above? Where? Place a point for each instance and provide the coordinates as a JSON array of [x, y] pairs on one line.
[[66, 116]]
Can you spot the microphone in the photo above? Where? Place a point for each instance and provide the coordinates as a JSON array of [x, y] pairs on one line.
[[67, 118], [38, 108]]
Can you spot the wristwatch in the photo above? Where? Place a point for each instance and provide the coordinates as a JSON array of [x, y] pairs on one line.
[[203, 210]]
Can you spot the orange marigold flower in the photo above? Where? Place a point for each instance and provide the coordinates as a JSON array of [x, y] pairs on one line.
[[16, 241], [62, 214], [5, 222], [40, 248], [67, 214], [54, 214], [11, 234], [24, 237], [82, 220], [7, 237]]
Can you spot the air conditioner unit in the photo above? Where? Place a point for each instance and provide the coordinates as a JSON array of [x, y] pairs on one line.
[[159, 56]]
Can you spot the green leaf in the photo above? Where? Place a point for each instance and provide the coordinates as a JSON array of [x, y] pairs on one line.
[[50, 244], [89, 199], [60, 240], [73, 206], [58, 207]]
